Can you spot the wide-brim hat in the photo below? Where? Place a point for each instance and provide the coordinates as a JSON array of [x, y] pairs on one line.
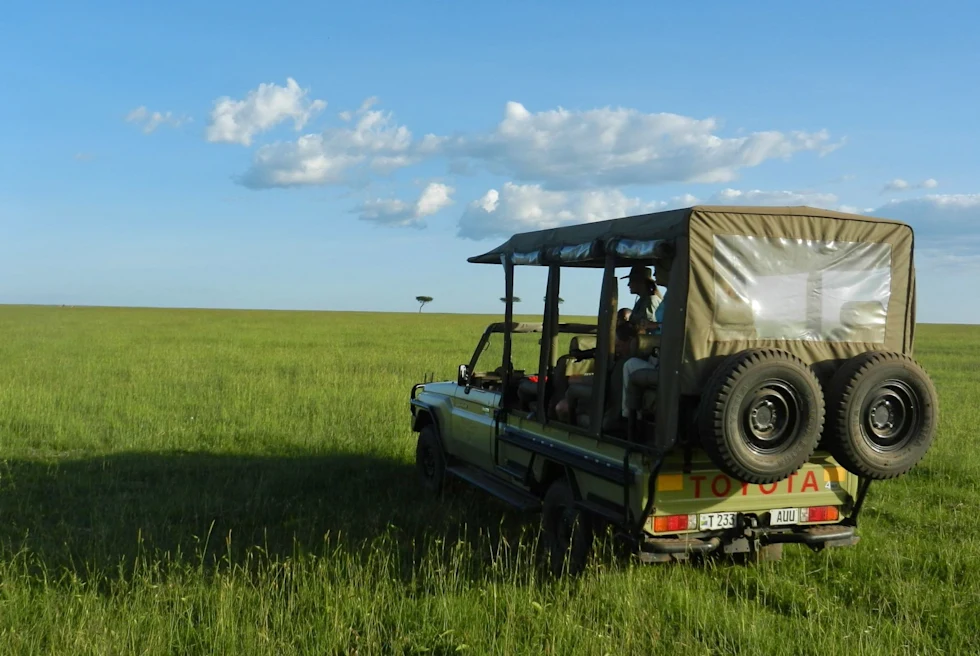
[[639, 273]]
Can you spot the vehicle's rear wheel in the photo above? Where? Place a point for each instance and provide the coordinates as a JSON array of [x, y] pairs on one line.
[[761, 415], [884, 412], [430, 460], [567, 531]]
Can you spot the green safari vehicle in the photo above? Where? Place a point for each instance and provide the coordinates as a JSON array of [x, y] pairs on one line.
[[777, 386]]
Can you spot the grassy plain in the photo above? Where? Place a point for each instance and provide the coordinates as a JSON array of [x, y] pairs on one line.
[[242, 483]]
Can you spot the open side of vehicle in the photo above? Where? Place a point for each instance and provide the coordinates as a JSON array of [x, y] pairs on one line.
[[781, 385]]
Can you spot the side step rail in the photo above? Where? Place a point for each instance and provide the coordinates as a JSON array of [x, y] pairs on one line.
[[516, 497]]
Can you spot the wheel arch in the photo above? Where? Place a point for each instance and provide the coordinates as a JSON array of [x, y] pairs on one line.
[[425, 414], [552, 471]]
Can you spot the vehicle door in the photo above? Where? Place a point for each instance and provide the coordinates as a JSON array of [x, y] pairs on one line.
[[474, 411]]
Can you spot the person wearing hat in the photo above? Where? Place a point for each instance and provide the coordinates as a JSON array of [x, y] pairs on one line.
[[664, 259], [642, 283]]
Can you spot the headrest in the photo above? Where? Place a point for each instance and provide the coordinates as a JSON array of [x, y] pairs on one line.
[[581, 343]]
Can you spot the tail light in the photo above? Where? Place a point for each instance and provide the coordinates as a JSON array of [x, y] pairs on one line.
[[675, 523], [819, 514]]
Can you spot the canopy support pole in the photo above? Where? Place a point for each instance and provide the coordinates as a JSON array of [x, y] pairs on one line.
[[506, 396], [549, 338], [605, 343]]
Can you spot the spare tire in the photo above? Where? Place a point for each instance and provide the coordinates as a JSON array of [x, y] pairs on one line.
[[761, 415], [884, 412]]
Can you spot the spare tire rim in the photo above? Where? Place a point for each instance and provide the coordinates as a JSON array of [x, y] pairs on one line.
[[771, 417], [890, 416]]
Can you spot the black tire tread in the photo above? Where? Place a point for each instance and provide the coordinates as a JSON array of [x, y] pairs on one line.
[[560, 494], [844, 386], [428, 436], [721, 385]]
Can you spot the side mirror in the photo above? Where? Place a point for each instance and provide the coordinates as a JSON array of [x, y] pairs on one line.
[[463, 376]]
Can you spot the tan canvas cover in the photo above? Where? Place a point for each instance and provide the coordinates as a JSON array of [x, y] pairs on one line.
[[870, 308], [658, 225]]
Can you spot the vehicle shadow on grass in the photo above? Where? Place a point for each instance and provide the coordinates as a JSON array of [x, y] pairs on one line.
[[93, 515]]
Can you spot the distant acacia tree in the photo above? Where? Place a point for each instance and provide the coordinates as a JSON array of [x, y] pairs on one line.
[[422, 301], [503, 299], [560, 300]]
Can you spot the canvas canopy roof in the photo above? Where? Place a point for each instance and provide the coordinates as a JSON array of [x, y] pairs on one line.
[[821, 284], [634, 237]]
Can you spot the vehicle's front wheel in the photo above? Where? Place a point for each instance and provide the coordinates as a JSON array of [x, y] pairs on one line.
[[430, 460], [567, 531]]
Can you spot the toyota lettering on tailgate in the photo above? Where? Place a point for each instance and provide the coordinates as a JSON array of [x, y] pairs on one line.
[[717, 485]]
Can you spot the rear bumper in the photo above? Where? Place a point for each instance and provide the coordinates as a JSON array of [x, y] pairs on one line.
[[655, 549], [832, 535]]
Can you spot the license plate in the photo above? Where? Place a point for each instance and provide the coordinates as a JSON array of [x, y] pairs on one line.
[[784, 516], [716, 521]]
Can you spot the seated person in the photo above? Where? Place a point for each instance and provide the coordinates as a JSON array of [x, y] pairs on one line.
[[643, 284], [623, 316], [662, 277], [624, 335]]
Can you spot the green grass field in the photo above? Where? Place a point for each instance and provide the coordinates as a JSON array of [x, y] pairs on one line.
[[195, 482]]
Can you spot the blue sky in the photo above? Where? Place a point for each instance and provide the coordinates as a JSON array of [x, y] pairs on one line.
[[351, 156]]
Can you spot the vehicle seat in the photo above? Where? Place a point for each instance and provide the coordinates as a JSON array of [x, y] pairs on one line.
[[642, 392], [643, 346], [569, 368], [863, 321], [579, 395], [527, 393]]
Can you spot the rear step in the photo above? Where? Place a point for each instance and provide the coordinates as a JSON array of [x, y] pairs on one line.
[[519, 499]]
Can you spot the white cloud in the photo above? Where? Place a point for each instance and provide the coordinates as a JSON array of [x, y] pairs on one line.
[[899, 184], [936, 210], [237, 121], [374, 141], [394, 212], [434, 197], [521, 208], [564, 149], [759, 197], [947, 228], [150, 121], [558, 149]]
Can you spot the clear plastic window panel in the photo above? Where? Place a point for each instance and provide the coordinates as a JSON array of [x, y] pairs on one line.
[[799, 289]]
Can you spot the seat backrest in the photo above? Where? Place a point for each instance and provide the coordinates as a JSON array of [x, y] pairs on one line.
[[581, 343], [565, 369]]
